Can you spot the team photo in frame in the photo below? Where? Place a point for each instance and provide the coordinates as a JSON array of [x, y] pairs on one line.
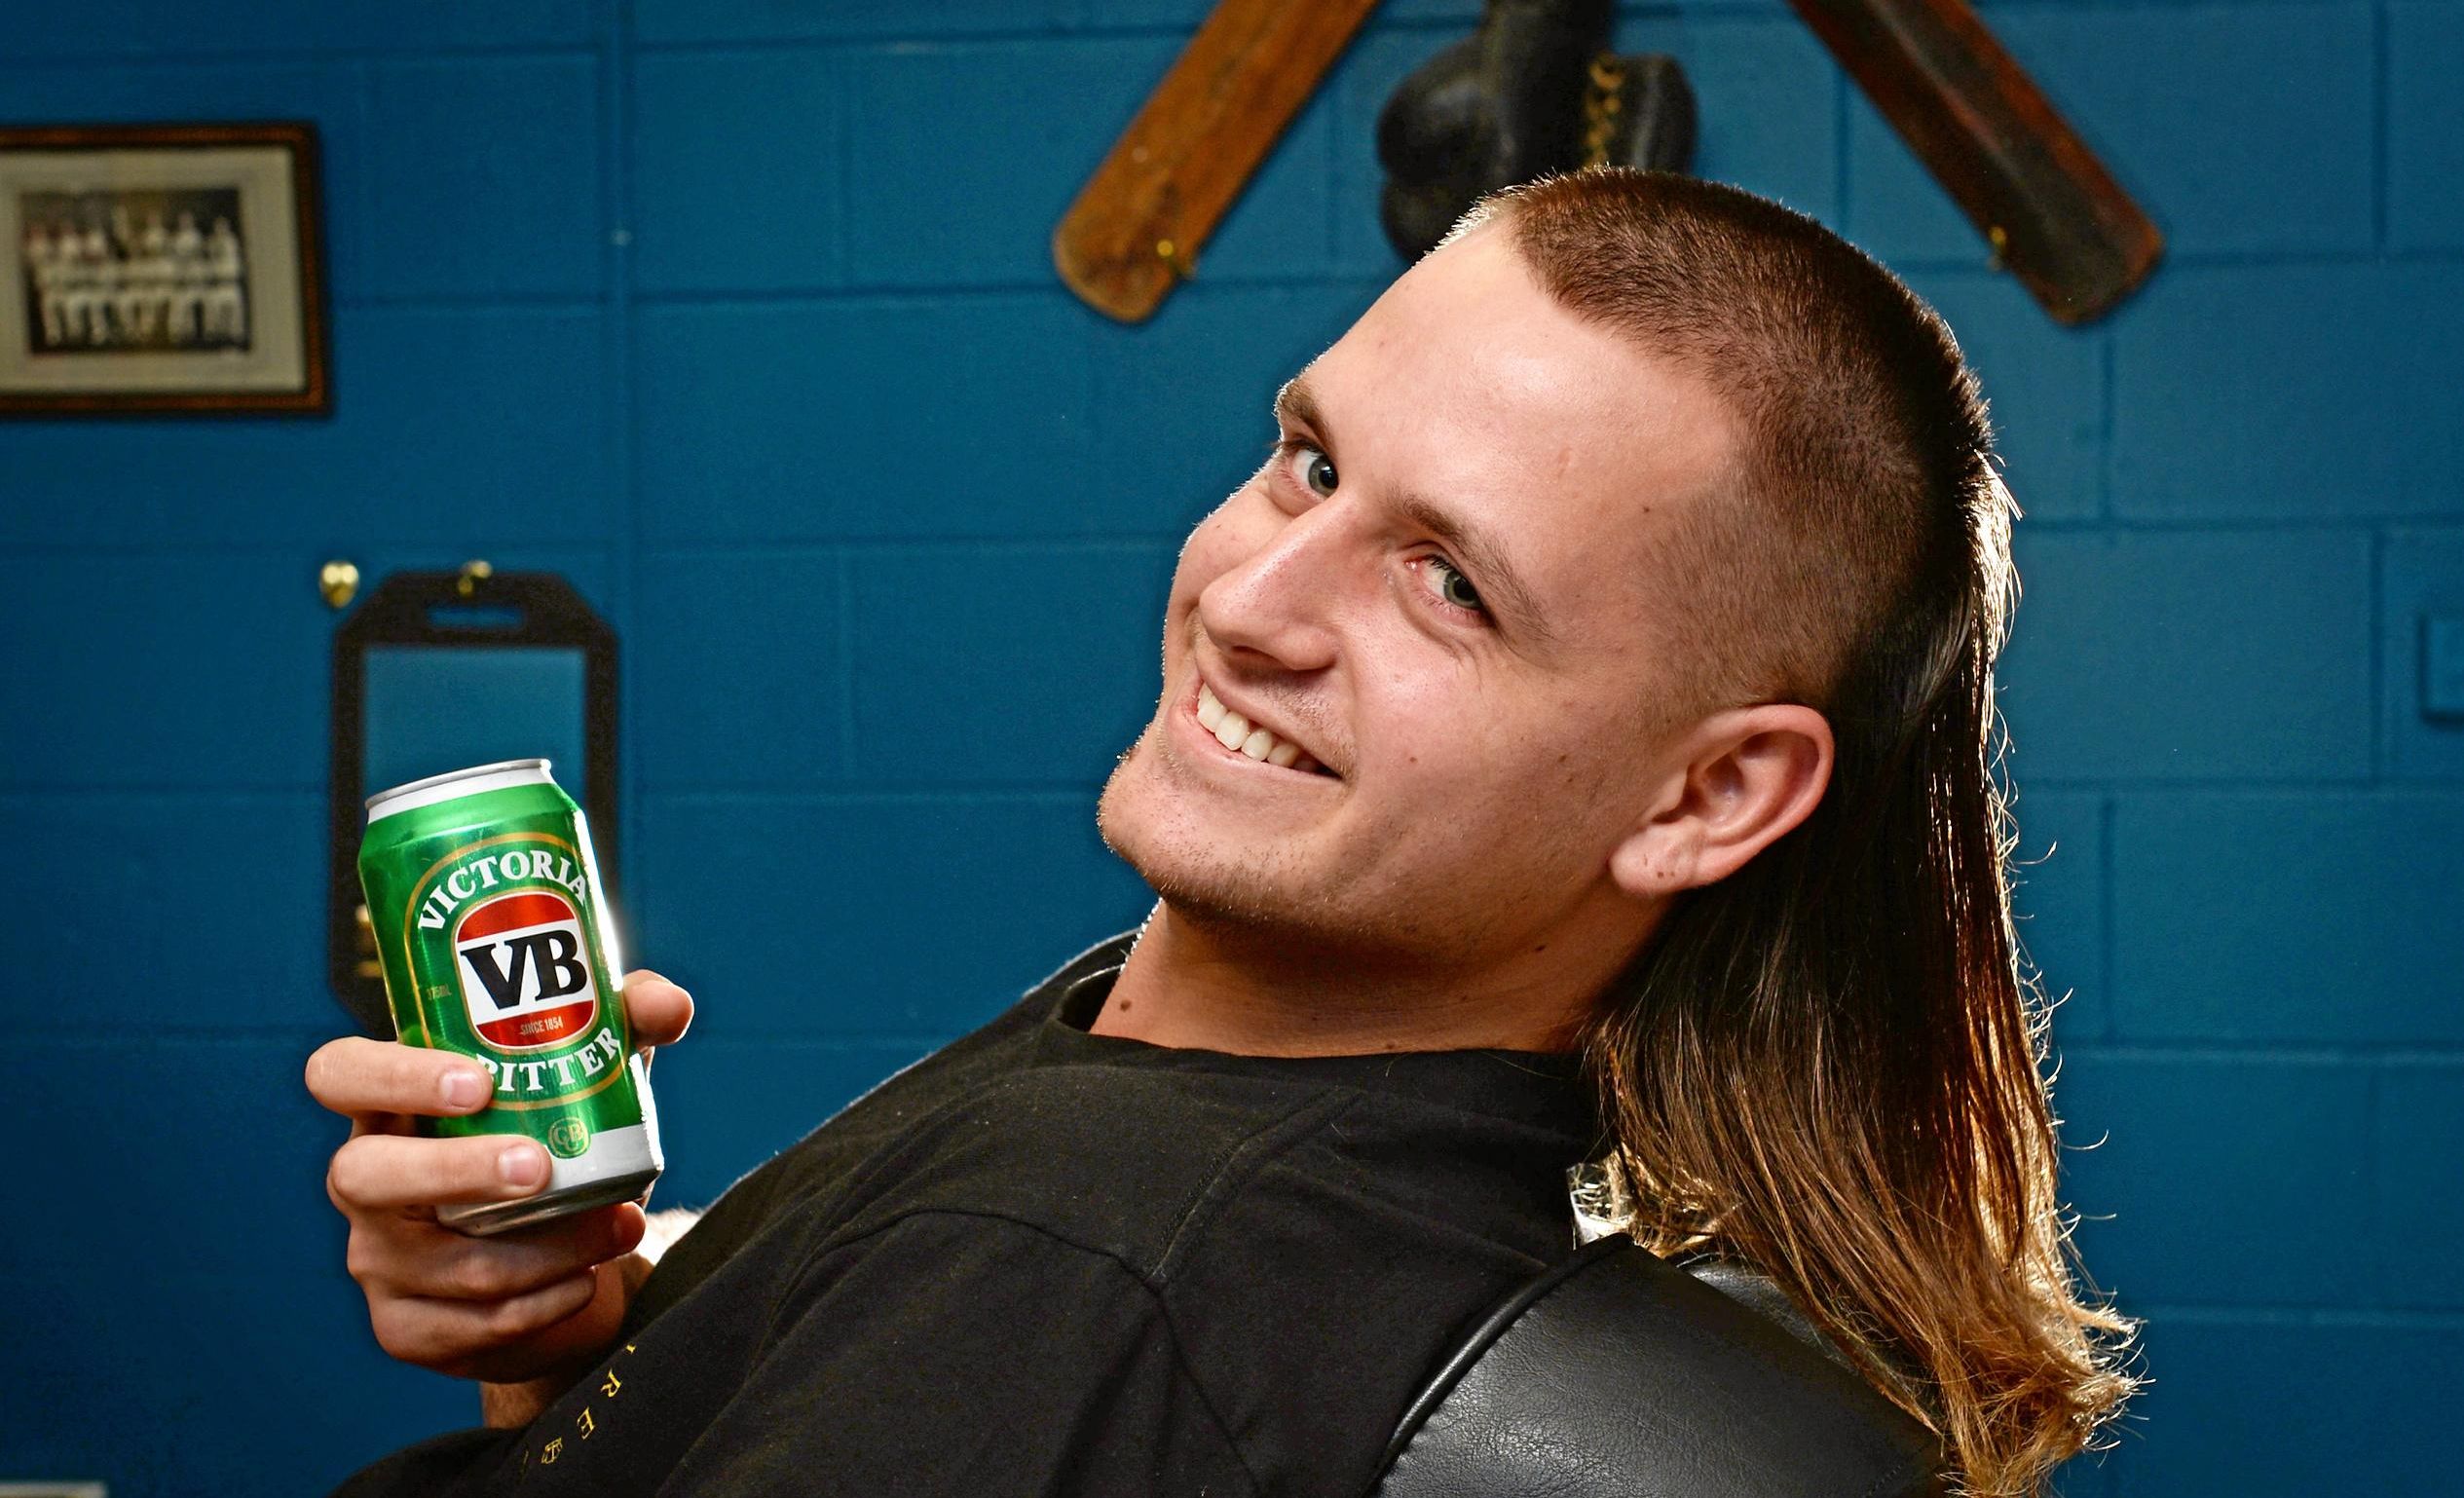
[[161, 268]]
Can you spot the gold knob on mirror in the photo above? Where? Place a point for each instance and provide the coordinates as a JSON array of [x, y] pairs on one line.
[[339, 581]]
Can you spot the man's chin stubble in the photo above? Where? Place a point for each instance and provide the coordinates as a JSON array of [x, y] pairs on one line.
[[1255, 904], [1198, 887]]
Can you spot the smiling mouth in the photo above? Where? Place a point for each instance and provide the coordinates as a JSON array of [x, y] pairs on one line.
[[1242, 736]]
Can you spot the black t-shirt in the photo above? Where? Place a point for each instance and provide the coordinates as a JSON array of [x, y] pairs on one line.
[[1042, 1261]]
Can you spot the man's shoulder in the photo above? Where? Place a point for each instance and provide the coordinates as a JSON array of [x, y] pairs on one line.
[[1119, 1160], [791, 1193]]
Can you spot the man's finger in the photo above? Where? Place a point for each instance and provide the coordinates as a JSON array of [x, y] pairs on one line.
[[358, 1076], [441, 1333], [657, 1010], [443, 1266], [377, 1172]]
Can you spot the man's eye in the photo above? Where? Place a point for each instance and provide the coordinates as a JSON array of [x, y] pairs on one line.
[[1453, 586], [1314, 468]]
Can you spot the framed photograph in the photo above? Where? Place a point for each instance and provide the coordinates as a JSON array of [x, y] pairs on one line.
[[161, 268]]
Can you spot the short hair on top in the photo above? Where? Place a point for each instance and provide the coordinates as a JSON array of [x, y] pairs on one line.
[[1867, 452], [1831, 1063]]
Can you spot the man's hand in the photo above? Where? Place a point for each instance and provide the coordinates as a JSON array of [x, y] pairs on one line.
[[521, 1306]]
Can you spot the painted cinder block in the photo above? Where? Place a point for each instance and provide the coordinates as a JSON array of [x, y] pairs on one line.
[[170, 672], [1461, 12], [2181, 656], [903, 916], [2442, 667], [2058, 905], [727, 1106], [140, 683], [124, 907], [492, 178], [144, 28], [2185, 1172], [2421, 582], [1183, 402], [737, 170], [77, 1351], [2089, 1474], [1185, 14], [2044, 384], [471, 427], [1282, 225], [1767, 97], [1003, 665], [657, 21], [2218, 154], [204, 1128], [2291, 391], [2419, 1140], [968, 192], [2290, 1407], [2289, 916], [2425, 125], [882, 418], [452, 426], [136, 27], [1173, 15], [736, 671], [379, 24]]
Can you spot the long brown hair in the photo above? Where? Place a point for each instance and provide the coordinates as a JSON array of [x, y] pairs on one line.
[[1832, 1064]]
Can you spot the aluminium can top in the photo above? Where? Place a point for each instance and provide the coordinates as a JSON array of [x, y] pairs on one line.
[[455, 784]]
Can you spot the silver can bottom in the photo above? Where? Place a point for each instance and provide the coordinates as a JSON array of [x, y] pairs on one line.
[[496, 1217], [620, 1166]]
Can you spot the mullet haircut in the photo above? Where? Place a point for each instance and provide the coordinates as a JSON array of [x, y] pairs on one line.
[[1832, 1063]]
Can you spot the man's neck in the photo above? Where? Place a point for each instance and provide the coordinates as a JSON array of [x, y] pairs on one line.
[[1192, 984]]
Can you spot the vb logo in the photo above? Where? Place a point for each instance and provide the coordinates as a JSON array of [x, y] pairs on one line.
[[524, 971]]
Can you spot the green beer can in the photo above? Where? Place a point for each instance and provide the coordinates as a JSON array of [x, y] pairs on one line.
[[496, 943]]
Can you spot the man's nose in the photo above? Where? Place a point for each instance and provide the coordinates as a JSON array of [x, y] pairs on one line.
[[1282, 600]]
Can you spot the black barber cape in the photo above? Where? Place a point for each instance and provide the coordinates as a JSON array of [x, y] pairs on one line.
[[1042, 1261]]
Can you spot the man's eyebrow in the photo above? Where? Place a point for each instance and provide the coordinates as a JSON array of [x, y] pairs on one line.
[[1491, 573], [1296, 404]]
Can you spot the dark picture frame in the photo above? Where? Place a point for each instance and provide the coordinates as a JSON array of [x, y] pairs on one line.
[[457, 610], [162, 267]]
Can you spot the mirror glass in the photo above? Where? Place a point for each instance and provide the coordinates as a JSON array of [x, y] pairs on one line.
[[433, 708]]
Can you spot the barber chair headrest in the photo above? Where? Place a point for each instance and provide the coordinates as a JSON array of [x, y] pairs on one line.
[[1617, 1375]]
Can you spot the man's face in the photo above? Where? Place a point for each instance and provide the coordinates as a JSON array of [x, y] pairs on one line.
[[1443, 588]]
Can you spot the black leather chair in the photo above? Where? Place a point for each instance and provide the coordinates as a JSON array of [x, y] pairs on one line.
[[1617, 1373]]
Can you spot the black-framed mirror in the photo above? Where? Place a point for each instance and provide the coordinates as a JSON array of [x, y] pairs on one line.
[[436, 671]]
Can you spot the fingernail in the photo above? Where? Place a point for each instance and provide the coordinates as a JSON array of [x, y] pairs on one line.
[[463, 1088], [521, 1166]]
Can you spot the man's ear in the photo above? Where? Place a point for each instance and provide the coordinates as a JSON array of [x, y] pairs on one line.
[[1749, 777]]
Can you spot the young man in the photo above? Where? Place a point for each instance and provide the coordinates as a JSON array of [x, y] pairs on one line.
[[1572, 745]]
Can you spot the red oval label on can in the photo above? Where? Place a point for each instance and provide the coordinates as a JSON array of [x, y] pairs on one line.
[[525, 971]]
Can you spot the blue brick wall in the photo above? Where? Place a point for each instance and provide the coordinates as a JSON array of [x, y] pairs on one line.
[[737, 313]]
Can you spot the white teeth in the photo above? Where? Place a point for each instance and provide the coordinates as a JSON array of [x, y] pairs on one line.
[[1242, 736]]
